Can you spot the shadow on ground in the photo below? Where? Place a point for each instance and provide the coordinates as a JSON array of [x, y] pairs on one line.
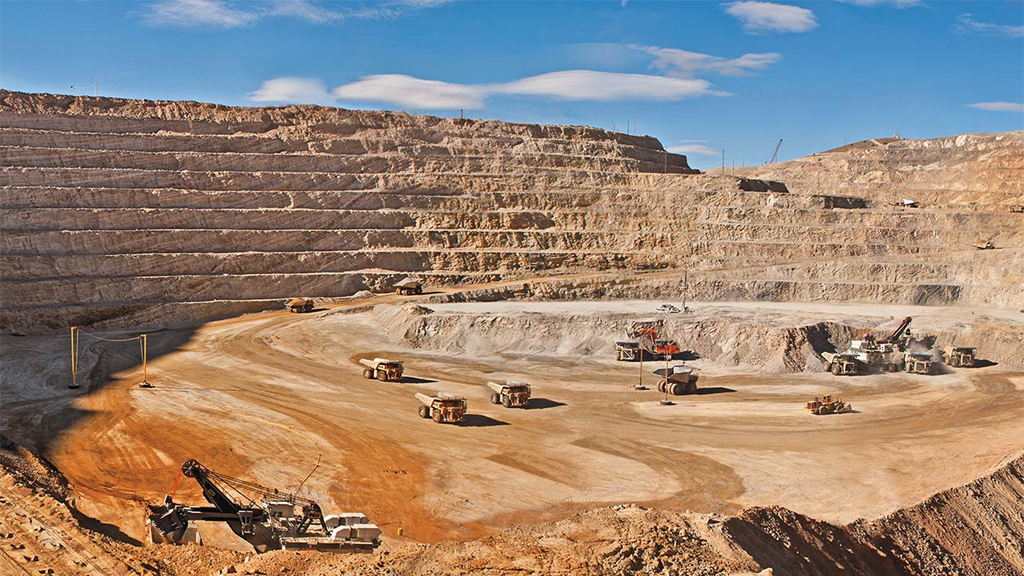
[[415, 380], [713, 390], [481, 421], [542, 403]]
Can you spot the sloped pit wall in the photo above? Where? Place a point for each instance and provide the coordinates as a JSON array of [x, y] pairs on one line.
[[770, 348]]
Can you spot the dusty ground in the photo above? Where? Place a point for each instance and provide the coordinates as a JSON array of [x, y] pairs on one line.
[[260, 396]]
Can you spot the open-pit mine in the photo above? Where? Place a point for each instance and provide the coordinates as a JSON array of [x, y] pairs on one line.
[[310, 340]]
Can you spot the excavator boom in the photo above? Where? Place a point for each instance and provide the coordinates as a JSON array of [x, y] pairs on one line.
[[898, 332]]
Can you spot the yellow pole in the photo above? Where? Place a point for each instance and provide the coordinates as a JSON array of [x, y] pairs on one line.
[[145, 350], [74, 367]]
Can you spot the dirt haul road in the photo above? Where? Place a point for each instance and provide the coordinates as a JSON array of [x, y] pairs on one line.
[[262, 396]]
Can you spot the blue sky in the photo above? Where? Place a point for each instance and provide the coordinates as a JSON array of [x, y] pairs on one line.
[[699, 76]]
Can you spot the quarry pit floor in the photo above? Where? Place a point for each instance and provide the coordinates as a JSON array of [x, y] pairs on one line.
[[268, 396]]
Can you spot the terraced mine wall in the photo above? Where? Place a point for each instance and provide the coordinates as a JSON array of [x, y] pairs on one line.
[[126, 212]]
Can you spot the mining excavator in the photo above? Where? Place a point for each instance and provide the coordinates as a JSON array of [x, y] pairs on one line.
[[277, 520], [886, 354]]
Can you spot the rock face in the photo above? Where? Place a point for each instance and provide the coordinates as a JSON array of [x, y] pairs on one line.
[[126, 212]]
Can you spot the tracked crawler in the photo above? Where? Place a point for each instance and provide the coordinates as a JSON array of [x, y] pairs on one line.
[[267, 518]]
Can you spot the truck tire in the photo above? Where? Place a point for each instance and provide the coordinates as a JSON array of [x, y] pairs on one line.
[[368, 373], [398, 291], [438, 417], [691, 387], [835, 369], [382, 376], [661, 386], [419, 289], [424, 411], [506, 401], [495, 398]]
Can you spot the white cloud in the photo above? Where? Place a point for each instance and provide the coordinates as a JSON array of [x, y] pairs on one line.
[[237, 14], [966, 24], [201, 13], [413, 92], [592, 85], [694, 149], [894, 3], [675, 62], [999, 106], [292, 91], [566, 85], [759, 17]]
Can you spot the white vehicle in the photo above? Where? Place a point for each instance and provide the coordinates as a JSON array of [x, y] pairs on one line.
[[669, 308]]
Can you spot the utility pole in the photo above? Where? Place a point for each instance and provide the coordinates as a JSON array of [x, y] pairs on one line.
[[634, 125], [95, 88], [723, 161], [72, 90]]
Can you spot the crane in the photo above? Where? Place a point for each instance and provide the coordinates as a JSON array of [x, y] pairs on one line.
[[775, 154]]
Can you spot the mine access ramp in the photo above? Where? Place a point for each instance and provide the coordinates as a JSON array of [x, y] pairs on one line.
[[266, 518]]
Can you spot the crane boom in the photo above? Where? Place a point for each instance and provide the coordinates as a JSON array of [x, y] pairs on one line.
[[775, 154]]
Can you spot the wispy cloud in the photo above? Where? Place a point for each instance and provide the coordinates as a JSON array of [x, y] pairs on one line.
[[893, 3], [762, 17], [199, 13], [676, 62], [304, 10], [411, 92], [966, 24], [694, 149], [292, 90], [592, 85], [238, 14], [999, 106]]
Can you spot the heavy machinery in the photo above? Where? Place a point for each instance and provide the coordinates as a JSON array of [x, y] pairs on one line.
[[827, 405], [511, 394], [677, 380], [658, 346], [841, 364], [959, 356], [266, 518], [984, 245], [887, 354], [919, 363], [300, 305], [628, 351], [409, 286], [442, 407], [382, 369]]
